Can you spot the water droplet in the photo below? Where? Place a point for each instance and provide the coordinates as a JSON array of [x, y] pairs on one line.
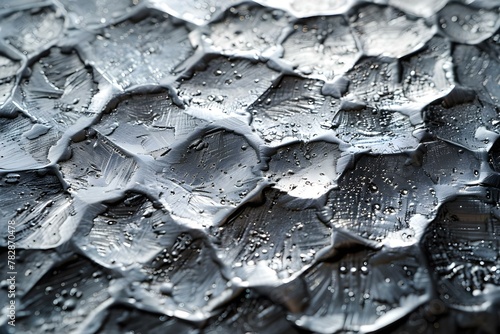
[[167, 288], [12, 178]]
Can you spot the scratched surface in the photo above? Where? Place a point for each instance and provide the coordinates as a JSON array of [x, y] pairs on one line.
[[260, 166]]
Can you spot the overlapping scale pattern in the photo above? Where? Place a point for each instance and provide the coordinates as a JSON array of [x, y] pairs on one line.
[[251, 166]]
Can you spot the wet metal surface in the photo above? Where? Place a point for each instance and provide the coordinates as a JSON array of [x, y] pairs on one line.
[[287, 166]]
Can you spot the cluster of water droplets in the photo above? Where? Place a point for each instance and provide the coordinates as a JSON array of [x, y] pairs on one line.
[[271, 167]]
